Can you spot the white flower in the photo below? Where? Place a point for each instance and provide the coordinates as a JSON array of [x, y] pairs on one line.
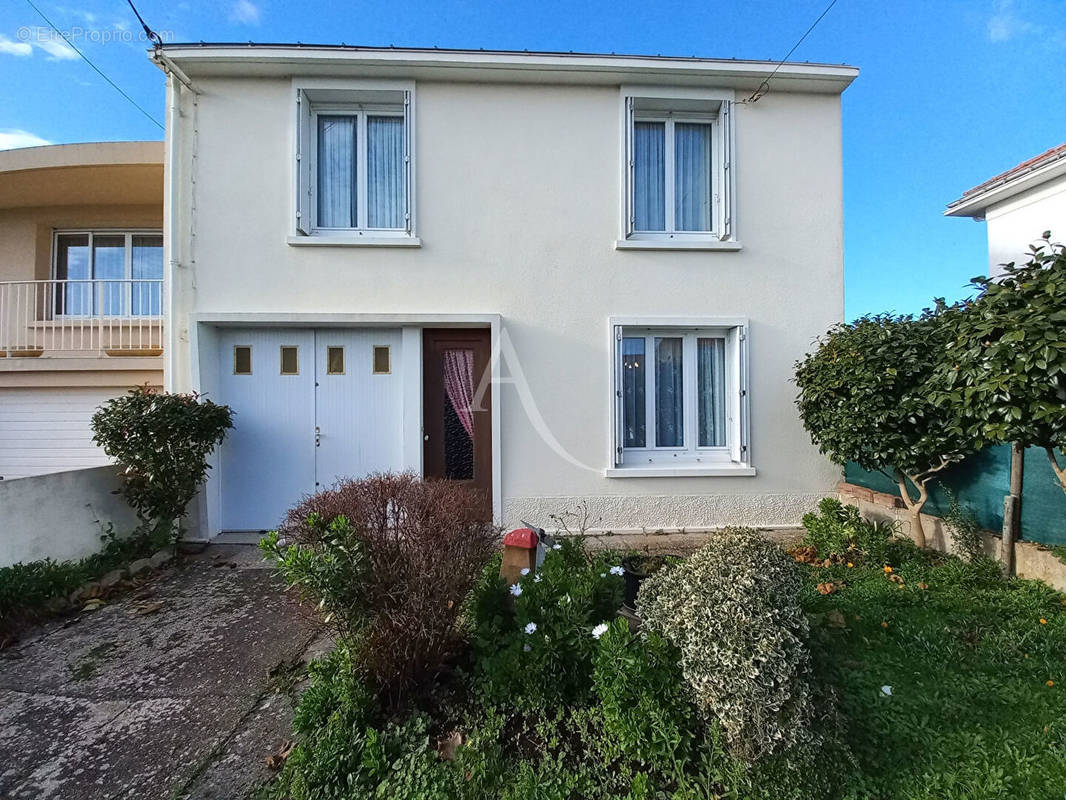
[[557, 546], [525, 571], [886, 690], [599, 630], [526, 647], [516, 590], [531, 627], [603, 574], [536, 578], [617, 570]]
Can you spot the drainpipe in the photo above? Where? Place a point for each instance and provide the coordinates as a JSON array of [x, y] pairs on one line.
[[171, 217]]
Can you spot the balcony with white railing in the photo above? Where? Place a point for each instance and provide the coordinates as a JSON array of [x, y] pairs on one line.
[[81, 318]]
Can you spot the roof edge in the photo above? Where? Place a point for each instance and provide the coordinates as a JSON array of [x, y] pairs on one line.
[[189, 53], [81, 154], [974, 202]]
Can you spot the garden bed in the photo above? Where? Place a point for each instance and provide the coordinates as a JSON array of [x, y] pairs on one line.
[[869, 669]]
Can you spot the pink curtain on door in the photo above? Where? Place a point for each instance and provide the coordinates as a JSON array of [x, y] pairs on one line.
[[459, 384]]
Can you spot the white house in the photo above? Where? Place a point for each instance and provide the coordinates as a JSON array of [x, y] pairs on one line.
[[1019, 205], [572, 280]]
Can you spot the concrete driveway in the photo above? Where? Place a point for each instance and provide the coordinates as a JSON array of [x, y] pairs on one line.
[[180, 689]]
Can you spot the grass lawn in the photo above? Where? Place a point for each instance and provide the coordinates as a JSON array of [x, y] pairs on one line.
[[977, 673]]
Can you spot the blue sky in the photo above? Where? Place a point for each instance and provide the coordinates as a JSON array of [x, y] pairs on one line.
[[951, 91]]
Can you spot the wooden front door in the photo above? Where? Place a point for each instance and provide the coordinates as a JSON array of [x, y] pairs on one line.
[[456, 422]]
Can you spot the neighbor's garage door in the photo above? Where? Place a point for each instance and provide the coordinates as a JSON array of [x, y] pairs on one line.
[[47, 430]]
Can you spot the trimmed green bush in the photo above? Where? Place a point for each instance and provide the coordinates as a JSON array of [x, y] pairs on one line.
[[732, 609]]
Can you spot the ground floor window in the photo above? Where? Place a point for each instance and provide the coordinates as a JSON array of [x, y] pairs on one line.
[[680, 395]]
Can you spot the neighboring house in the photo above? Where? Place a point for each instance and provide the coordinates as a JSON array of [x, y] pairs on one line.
[[81, 268], [1019, 205], [633, 253]]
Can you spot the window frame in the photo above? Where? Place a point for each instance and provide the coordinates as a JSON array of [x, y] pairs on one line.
[[127, 267], [673, 102], [691, 459], [360, 99]]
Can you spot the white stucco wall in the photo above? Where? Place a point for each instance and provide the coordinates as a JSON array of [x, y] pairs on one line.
[[61, 516], [518, 211], [1015, 224]]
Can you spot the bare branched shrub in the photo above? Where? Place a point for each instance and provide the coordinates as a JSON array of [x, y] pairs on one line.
[[415, 547]]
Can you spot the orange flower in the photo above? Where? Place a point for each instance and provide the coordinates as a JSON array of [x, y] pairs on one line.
[[1051, 683], [1043, 621], [888, 569], [852, 565], [884, 624]]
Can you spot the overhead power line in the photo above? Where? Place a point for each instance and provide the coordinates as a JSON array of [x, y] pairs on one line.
[[98, 71], [764, 87]]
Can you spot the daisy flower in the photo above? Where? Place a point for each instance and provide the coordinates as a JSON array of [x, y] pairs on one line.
[[516, 590], [599, 630], [617, 570], [531, 627]]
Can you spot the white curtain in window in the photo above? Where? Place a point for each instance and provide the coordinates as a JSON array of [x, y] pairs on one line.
[[386, 183], [710, 369], [336, 172], [649, 176], [633, 382], [146, 265], [109, 272], [692, 176], [669, 393]]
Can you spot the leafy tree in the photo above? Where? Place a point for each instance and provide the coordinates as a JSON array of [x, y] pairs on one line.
[[162, 442], [1005, 370], [866, 395]]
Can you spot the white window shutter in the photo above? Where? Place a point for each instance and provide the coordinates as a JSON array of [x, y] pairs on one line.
[[628, 167], [407, 157], [304, 158], [727, 169], [619, 418], [737, 345]]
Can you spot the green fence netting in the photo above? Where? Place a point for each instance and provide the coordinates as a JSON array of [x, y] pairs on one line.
[[981, 481]]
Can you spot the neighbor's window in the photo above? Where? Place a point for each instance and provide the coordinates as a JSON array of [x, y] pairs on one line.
[[354, 162], [677, 169], [108, 273], [679, 395]]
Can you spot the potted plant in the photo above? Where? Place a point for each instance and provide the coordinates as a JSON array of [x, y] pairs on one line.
[[638, 566]]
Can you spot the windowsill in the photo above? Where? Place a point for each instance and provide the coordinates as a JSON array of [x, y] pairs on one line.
[[676, 244], [331, 240], [689, 471]]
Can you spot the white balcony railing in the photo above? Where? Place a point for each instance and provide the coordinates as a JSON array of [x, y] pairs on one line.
[[91, 317]]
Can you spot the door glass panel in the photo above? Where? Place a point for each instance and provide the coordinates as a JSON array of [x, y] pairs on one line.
[[710, 356], [73, 264], [290, 364], [109, 272], [146, 290], [242, 360], [458, 382], [669, 389], [382, 361], [334, 360], [633, 377]]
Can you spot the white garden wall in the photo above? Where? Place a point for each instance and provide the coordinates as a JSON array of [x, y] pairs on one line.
[[60, 516]]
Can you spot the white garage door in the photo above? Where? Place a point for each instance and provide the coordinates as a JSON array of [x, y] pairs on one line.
[[47, 430], [310, 406]]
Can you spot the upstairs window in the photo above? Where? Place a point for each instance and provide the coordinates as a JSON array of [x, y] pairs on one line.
[[677, 169], [108, 273], [354, 162]]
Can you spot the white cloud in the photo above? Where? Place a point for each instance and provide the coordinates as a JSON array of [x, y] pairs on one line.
[[12, 48], [245, 12], [1006, 23], [10, 138], [57, 48]]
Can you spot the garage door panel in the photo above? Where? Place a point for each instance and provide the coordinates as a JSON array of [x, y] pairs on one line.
[[44, 430], [267, 460]]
